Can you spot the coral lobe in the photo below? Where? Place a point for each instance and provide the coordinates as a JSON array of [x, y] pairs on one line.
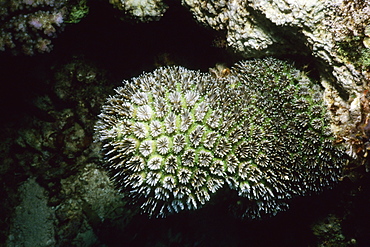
[[172, 138]]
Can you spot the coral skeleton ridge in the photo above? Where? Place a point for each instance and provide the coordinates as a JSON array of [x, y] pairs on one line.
[[173, 137]]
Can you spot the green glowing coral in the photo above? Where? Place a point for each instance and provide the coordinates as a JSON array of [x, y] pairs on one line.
[[172, 138], [285, 147], [158, 141]]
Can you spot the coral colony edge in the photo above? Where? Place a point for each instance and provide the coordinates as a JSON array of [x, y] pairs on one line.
[[174, 137]]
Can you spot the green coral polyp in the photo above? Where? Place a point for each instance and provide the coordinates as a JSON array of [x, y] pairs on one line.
[[158, 140], [172, 138]]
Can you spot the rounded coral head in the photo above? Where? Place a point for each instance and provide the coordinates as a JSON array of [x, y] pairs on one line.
[[159, 134], [173, 137]]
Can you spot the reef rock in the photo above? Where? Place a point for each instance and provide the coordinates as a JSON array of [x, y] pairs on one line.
[[332, 33]]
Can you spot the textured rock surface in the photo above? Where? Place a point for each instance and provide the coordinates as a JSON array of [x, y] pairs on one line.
[[332, 32], [29, 26], [142, 10], [56, 147], [259, 28], [33, 223]]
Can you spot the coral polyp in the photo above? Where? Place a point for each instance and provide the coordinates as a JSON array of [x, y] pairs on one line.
[[152, 131], [280, 135], [173, 137]]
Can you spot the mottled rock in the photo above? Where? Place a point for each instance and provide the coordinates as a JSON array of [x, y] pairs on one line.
[[334, 34], [141, 10], [33, 223]]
